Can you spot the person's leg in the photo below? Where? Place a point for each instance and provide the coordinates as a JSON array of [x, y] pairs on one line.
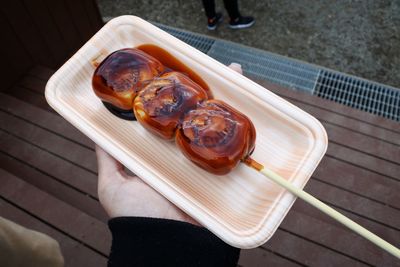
[[232, 8], [209, 7], [237, 21], [214, 18]]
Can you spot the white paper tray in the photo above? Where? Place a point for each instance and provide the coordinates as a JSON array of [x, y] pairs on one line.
[[243, 208]]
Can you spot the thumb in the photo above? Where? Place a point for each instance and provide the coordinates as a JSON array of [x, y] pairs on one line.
[[109, 168], [236, 67]]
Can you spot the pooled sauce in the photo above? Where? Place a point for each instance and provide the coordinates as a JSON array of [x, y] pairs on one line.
[[174, 64]]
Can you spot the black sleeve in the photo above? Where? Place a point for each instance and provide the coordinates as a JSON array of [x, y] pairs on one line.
[[139, 241]]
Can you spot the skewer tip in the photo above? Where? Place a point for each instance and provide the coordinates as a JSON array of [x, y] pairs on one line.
[[95, 62], [253, 164]]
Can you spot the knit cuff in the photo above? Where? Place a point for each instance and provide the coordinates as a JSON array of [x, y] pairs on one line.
[[140, 241]]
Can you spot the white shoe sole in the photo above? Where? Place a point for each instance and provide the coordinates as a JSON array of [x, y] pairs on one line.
[[214, 27], [242, 26]]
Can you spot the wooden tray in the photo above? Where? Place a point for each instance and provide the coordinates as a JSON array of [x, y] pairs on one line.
[[242, 208]]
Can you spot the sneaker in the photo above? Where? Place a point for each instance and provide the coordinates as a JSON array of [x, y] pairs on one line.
[[241, 22], [213, 23]]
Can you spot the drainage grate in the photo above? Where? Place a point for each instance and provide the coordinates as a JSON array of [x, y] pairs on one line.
[[358, 93], [267, 66], [256, 63], [199, 42], [351, 91]]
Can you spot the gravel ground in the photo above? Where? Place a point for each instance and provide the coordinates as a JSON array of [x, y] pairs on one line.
[[356, 37]]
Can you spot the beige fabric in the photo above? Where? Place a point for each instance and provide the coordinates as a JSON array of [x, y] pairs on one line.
[[23, 247]]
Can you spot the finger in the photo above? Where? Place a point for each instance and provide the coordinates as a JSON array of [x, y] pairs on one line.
[[236, 67], [108, 167]]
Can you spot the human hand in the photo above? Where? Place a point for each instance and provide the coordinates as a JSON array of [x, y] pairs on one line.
[[125, 195]]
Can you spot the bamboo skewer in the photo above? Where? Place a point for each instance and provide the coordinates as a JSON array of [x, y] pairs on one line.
[[324, 208], [308, 198]]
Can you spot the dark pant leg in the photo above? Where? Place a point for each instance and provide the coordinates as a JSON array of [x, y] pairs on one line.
[[232, 7], [209, 6]]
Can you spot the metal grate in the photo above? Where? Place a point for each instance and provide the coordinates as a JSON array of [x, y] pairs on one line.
[[198, 41], [358, 93], [266, 66], [257, 63], [348, 90]]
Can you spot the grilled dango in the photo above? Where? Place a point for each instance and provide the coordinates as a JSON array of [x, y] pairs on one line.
[[121, 75], [161, 105], [215, 136]]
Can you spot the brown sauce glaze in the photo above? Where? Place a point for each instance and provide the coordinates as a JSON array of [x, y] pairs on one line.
[[122, 74], [174, 64], [216, 137], [160, 106], [170, 100]]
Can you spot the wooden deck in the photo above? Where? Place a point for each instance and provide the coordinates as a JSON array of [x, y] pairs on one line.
[[48, 173]]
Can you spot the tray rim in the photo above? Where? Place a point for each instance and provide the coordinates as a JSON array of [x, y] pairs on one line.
[[249, 241]]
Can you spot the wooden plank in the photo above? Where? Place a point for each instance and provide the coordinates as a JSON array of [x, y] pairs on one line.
[[53, 187], [386, 232], [29, 96], [348, 123], [32, 83], [332, 106], [363, 143], [54, 166], [46, 28], [44, 119], [262, 257], [355, 157], [79, 225], [75, 253], [309, 223], [23, 26], [15, 59], [359, 181], [365, 161], [41, 72], [69, 33], [11, 73], [306, 252], [93, 14], [78, 17], [50, 142], [348, 137], [365, 207]]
